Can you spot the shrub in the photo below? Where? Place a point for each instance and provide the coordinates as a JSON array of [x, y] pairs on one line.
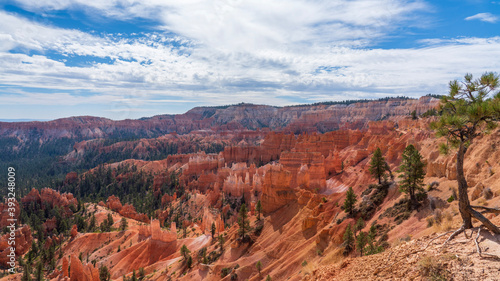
[[304, 263], [225, 272]]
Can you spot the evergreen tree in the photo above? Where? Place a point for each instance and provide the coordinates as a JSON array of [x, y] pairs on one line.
[[110, 221], [258, 208], [372, 233], [258, 265], [378, 165], [243, 222], [467, 112], [26, 273], [268, 278], [92, 223], [213, 230], [221, 242], [39, 272], [104, 274], [412, 174], [189, 262], [185, 252], [123, 224], [360, 224], [349, 201], [361, 241], [348, 240], [141, 274]]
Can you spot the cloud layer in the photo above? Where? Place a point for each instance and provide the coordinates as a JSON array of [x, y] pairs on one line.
[[218, 52]]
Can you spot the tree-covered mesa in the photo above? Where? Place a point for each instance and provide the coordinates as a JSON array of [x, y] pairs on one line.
[[471, 109]]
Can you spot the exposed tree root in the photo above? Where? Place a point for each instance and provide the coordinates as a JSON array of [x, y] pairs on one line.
[[458, 231], [481, 254]]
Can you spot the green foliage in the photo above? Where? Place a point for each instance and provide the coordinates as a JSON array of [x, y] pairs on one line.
[[444, 148], [243, 222], [225, 272], [450, 199], [378, 165], [185, 252], [221, 242], [348, 243], [39, 272], [104, 274], [189, 262], [468, 106], [258, 265], [360, 224], [123, 224], [26, 273], [349, 201], [429, 113], [268, 278], [412, 174], [414, 115], [213, 228], [258, 208], [304, 263], [361, 242]]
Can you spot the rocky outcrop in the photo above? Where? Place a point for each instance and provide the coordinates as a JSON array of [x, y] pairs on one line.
[[22, 245], [80, 272], [276, 190]]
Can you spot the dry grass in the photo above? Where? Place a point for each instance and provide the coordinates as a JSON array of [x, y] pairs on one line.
[[332, 257]]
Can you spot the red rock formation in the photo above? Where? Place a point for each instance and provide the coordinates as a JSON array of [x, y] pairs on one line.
[[65, 267], [80, 272], [5, 213], [74, 231], [113, 203], [276, 190], [23, 241]]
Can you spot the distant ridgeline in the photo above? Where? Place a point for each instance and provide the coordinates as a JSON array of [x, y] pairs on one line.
[[44, 152]]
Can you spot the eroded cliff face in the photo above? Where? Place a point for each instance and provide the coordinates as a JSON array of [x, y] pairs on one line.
[[298, 119], [300, 180]]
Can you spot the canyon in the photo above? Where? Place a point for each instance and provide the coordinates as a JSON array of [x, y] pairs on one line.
[[296, 162]]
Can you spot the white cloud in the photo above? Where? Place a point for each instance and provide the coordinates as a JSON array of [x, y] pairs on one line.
[[228, 51], [486, 17]]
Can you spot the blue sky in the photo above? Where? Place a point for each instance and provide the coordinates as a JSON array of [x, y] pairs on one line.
[[130, 58]]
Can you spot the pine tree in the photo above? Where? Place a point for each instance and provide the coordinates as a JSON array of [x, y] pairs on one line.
[[185, 252], [221, 242], [348, 240], [258, 265], [258, 208], [104, 274], [26, 273], [349, 201], [123, 224], [467, 112], [213, 230], [361, 241], [412, 174], [372, 233], [243, 222], [268, 278], [378, 165], [189, 262], [360, 224], [39, 272]]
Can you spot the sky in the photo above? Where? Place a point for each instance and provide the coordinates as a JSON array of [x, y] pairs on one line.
[[134, 58]]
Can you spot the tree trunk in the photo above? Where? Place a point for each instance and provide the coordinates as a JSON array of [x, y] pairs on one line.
[[463, 197]]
